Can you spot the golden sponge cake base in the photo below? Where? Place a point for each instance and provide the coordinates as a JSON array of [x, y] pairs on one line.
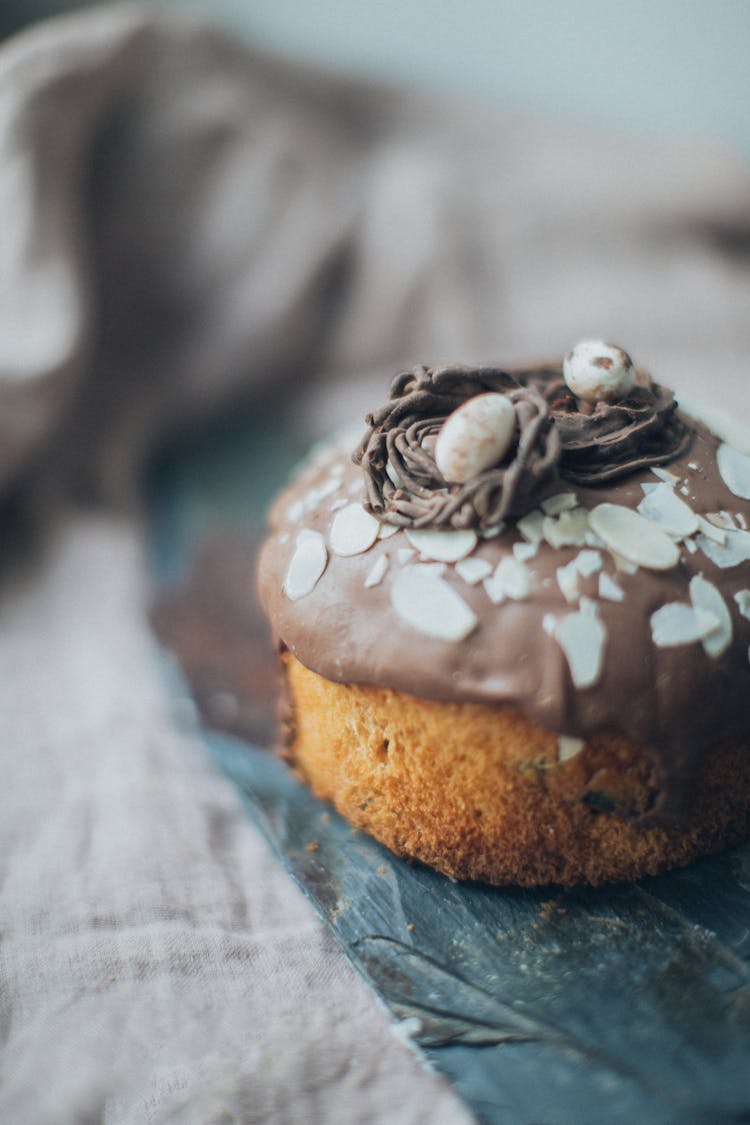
[[477, 791]]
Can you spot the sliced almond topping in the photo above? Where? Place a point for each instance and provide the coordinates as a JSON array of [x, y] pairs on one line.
[[677, 624], [665, 475], [588, 562], [634, 538], [691, 546], [473, 570], [387, 530], [512, 579], [735, 470], [662, 507], [377, 572], [726, 427], [562, 502], [568, 579], [582, 638], [742, 597], [532, 526], [306, 565], [525, 551], [443, 546], [353, 531], [734, 550], [712, 531], [430, 605], [722, 520], [741, 521], [568, 746], [706, 598], [492, 532], [609, 589], [566, 530]]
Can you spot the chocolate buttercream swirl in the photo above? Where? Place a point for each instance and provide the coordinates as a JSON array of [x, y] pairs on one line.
[[404, 485], [556, 434], [602, 441]]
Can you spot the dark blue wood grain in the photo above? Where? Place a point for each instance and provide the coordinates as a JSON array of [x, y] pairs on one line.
[[548, 1007]]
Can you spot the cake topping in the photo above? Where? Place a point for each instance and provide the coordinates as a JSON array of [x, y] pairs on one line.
[[405, 485], [598, 372], [468, 447], [353, 531], [306, 565], [633, 537], [475, 437], [423, 599], [582, 638], [735, 470], [443, 546]]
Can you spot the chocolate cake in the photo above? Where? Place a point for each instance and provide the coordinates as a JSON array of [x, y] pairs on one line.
[[514, 623]]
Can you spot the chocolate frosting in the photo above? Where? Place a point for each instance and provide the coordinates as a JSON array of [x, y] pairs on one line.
[[678, 701], [556, 434]]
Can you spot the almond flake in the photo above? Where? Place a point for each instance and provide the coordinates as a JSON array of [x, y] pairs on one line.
[[742, 597], [662, 507], [692, 465], [691, 546], [340, 503], [562, 502], [582, 637], [377, 572], [678, 624], [353, 531], [588, 563], [735, 470], [306, 565], [722, 520], [443, 546], [473, 570], [512, 579], [734, 550], [531, 526], [726, 427], [705, 597], [492, 532], [403, 554], [665, 475], [633, 537], [684, 489], [386, 530], [741, 521], [609, 589], [295, 510], [568, 579], [712, 531], [430, 605], [525, 551], [549, 624], [566, 530], [568, 747]]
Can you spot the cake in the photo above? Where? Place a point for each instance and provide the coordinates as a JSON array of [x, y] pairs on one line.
[[513, 623]]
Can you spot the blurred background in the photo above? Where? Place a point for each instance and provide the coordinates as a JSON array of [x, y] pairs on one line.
[[677, 67]]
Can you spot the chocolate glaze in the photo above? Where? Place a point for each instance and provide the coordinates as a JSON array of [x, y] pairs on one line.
[[678, 702]]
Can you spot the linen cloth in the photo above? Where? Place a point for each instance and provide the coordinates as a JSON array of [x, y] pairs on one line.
[[190, 223]]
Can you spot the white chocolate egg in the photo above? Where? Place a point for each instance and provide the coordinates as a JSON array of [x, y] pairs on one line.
[[476, 436], [598, 372]]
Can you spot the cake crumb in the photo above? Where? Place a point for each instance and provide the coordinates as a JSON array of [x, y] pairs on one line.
[[382, 869], [410, 927], [313, 846]]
